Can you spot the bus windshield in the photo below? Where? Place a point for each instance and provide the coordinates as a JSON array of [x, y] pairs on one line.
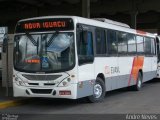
[[44, 52]]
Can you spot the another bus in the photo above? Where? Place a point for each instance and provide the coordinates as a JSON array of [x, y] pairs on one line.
[[158, 55], [74, 57]]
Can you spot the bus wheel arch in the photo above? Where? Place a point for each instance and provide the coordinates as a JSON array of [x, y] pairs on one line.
[[101, 75], [99, 89]]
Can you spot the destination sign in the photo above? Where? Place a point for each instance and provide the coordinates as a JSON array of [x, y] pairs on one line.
[[42, 25]]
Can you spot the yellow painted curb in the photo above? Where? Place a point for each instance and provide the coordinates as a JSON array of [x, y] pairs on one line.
[[12, 103]]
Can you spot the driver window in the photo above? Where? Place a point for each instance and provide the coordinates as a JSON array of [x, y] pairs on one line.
[[84, 46]]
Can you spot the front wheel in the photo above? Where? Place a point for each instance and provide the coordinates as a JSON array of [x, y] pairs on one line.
[[98, 91]]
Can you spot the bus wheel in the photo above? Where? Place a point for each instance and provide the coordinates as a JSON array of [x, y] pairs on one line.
[[139, 83], [98, 91]]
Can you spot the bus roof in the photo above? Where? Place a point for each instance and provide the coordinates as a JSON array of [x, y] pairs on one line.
[[97, 23]]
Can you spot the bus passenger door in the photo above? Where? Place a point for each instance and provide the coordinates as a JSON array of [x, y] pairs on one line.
[[150, 64], [158, 48], [126, 46], [154, 58], [111, 68], [85, 62]]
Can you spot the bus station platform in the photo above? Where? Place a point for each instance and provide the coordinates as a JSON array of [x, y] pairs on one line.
[[9, 101]]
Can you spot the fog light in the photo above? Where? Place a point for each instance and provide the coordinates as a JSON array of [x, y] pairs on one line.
[[68, 79], [54, 92], [20, 83], [16, 78]]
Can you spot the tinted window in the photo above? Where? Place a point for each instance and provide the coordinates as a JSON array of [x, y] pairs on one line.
[[122, 42], [140, 46], [147, 45], [100, 41], [131, 43], [85, 49], [153, 46], [111, 42], [84, 46]]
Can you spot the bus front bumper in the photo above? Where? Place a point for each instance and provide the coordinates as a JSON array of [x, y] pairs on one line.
[[68, 92]]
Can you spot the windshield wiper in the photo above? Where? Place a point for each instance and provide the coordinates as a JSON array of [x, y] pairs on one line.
[[32, 39], [51, 39]]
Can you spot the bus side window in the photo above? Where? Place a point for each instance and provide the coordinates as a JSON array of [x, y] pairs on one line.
[[132, 49], [122, 42], [111, 42], [90, 44], [85, 43], [85, 46], [100, 42], [140, 44], [153, 46], [147, 45]]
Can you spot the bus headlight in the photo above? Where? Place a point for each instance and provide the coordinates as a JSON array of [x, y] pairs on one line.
[[19, 82], [64, 82]]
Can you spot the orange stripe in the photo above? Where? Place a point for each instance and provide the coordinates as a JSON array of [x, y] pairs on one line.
[[130, 77], [136, 66], [141, 32]]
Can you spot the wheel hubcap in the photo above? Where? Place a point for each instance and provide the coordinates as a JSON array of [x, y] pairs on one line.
[[139, 83], [97, 91]]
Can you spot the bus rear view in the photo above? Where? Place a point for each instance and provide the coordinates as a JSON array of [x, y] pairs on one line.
[[44, 58]]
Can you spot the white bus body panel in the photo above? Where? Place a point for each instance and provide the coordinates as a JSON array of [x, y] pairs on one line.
[[116, 70]]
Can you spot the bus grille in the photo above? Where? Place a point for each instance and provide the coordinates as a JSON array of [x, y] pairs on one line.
[[41, 91], [41, 77]]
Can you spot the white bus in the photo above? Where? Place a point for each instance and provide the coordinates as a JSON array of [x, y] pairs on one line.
[[74, 57]]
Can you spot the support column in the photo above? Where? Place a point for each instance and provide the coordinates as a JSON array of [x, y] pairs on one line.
[[134, 19], [158, 31], [86, 8], [133, 13]]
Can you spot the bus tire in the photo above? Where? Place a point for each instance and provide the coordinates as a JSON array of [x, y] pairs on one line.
[[98, 91], [139, 83]]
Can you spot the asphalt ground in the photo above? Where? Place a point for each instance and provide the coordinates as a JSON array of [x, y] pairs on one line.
[[122, 101]]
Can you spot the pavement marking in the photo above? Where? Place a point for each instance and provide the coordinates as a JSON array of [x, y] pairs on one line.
[[12, 103]]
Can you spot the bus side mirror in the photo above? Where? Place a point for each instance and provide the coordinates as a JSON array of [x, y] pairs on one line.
[[5, 44]]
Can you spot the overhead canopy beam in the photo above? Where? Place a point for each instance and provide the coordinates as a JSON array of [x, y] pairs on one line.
[[133, 14], [86, 8], [32, 3]]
